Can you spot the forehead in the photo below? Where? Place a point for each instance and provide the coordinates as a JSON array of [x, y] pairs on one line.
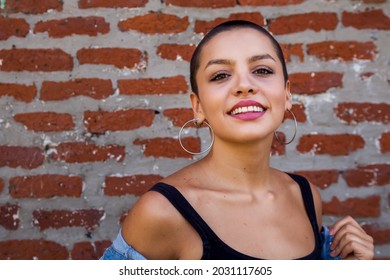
[[238, 42]]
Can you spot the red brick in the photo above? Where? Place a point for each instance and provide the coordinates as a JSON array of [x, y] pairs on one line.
[[102, 121], [346, 50], [369, 175], [370, 19], [89, 251], [299, 111], [9, 218], [169, 147], [24, 157], [91, 26], [202, 26], [32, 7], [88, 218], [366, 75], [374, 1], [268, 2], [32, 250], [45, 186], [175, 51], [134, 185], [1, 185], [352, 113], [379, 234], [316, 82], [290, 50], [301, 22], [87, 4], [321, 178], [24, 93], [155, 23], [93, 88], [170, 85], [179, 116], [45, 60], [13, 27], [119, 57], [334, 145], [46, 121], [384, 142], [214, 4], [367, 207], [79, 152], [279, 148]]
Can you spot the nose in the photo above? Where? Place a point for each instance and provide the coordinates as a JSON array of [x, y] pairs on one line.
[[245, 86], [245, 90]]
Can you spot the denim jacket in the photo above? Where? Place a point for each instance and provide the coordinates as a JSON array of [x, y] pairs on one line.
[[120, 250]]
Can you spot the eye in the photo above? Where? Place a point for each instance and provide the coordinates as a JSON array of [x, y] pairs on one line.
[[263, 71], [219, 76]]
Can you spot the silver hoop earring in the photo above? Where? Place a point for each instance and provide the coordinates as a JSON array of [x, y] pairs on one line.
[[194, 121], [295, 131]]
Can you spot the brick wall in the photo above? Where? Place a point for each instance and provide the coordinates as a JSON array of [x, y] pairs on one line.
[[93, 94]]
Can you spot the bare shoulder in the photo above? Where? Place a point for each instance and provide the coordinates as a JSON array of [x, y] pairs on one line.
[[152, 227]]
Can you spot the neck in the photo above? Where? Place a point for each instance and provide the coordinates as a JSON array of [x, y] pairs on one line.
[[240, 164]]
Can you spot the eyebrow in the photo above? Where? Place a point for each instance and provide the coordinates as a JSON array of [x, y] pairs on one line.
[[261, 57], [229, 62], [218, 61]]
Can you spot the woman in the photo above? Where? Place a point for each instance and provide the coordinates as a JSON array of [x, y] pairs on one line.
[[232, 204]]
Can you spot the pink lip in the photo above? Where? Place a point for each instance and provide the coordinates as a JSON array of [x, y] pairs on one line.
[[250, 115]]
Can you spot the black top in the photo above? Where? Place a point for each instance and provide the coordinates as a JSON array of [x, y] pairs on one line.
[[213, 247]]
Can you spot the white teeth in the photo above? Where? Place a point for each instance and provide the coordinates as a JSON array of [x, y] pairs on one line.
[[247, 109]]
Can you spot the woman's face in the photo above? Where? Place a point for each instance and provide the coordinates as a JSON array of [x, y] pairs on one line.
[[242, 92]]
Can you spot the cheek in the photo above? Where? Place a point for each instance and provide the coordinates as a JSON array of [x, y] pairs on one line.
[[213, 104], [276, 91], [210, 94]]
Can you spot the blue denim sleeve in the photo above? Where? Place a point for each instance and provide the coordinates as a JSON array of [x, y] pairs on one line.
[[120, 250], [326, 240]]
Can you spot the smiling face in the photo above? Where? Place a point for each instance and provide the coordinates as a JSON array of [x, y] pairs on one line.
[[241, 86]]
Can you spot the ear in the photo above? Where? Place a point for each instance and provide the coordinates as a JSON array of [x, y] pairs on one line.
[[288, 96], [197, 108]]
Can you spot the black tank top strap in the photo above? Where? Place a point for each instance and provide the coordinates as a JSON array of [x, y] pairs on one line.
[[186, 210], [308, 201]]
